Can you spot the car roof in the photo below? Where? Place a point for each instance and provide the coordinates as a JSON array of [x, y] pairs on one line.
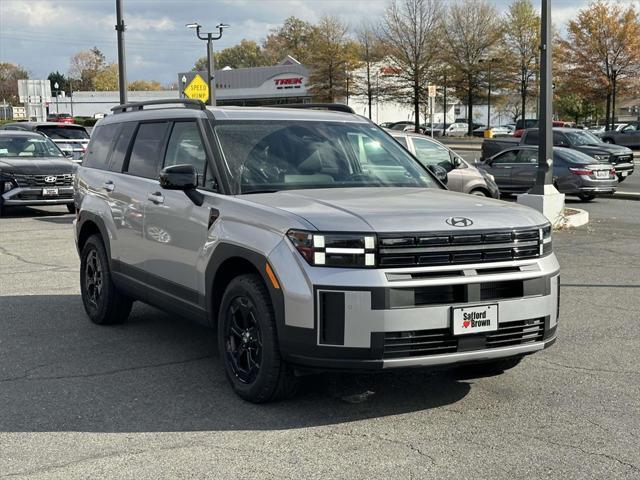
[[236, 113], [19, 133], [33, 125]]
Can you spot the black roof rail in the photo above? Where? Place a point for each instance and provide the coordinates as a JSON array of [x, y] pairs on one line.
[[137, 106], [334, 107]]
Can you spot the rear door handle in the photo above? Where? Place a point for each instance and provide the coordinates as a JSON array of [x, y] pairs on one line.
[[108, 186], [156, 198]]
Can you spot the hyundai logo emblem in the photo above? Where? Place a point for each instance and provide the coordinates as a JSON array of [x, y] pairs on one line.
[[50, 179], [459, 221]]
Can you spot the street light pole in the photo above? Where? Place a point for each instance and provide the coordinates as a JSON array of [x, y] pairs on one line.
[[614, 74], [444, 128], [122, 67], [545, 149], [57, 87], [209, 38]]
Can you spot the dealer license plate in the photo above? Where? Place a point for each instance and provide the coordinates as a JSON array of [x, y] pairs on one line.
[[602, 173], [49, 192], [624, 173], [476, 319]]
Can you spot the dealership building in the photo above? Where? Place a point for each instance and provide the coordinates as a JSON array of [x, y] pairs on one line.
[[284, 83]]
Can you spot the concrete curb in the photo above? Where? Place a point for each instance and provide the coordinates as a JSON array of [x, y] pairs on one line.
[[576, 220], [627, 195]]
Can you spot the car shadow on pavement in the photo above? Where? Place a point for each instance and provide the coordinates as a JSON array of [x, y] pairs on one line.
[[59, 372], [59, 220], [35, 212]]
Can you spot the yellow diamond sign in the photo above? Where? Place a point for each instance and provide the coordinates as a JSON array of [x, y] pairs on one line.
[[197, 89]]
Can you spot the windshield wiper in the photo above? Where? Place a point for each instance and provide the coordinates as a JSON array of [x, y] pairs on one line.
[[266, 190]]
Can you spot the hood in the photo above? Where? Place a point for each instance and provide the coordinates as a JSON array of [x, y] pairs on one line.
[[604, 148], [37, 166], [385, 210]]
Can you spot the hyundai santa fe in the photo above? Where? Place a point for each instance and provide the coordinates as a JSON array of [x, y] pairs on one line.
[[311, 240]]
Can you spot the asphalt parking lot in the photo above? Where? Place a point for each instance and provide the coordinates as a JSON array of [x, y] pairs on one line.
[[148, 399]]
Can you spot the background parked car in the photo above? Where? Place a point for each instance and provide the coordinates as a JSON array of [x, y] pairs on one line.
[[620, 157], [60, 118], [396, 125], [461, 176], [33, 171], [574, 173], [497, 131], [70, 138], [628, 135]]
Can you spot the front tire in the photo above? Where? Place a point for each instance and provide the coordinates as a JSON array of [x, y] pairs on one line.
[[248, 343], [585, 197], [479, 192], [621, 178], [104, 304], [71, 208]]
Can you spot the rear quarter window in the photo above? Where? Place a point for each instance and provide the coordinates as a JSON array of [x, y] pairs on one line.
[[100, 146]]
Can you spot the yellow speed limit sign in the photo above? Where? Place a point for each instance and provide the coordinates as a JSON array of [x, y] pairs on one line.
[[197, 89]]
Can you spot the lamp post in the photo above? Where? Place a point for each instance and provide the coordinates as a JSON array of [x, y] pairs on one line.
[[209, 37], [56, 87], [614, 75], [122, 64], [489, 61], [184, 84]]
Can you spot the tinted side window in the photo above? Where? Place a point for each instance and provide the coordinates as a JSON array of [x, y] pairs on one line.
[[559, 139], [97, 155], [121, 146], [527, 156], [185, 147], [147, 150], [507, 157], [531, 138], [402, 141]]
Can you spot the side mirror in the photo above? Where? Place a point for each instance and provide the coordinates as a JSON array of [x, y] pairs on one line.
[[69, 155], [179, 177], [439, 172], [182, 177]]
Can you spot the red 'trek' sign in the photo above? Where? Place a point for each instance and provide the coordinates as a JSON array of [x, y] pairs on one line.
[[294, 82]]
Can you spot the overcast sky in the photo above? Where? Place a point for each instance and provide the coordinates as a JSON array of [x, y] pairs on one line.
[[41, 35]]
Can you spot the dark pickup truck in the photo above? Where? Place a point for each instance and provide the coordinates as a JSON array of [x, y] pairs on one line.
[[620, 157]]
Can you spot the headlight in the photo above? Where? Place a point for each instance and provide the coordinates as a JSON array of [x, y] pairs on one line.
[[335, 249], [603, 156], [545, 240]]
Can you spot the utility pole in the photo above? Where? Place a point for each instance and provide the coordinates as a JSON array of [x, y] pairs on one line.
[[545, 149], [56, 86], [209, 37], [122, 64]]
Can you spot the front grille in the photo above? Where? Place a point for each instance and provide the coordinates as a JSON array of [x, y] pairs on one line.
[[64, 180], [416, 249], [622, 159], [436, 342]]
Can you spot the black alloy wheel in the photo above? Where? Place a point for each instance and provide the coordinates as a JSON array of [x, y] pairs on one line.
[[243, 340], [103, 302], [93, 279]]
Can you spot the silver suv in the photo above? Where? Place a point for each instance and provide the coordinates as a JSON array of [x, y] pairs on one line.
[[310, 240]]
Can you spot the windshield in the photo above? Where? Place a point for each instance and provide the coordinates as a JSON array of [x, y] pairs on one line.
[[272, 156], [64, 133], [578, 138], [28, 147]]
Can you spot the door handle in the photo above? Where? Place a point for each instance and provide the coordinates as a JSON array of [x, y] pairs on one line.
[[156, 198], [109, 186]]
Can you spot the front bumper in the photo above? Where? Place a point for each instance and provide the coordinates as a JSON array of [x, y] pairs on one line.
[[377, 319], [33, 196], [624, 169]]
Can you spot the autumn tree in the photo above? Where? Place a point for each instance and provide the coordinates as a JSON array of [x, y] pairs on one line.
[[521, 28], [472, 30], [411, 31], [329, 60], [144, 85], [601, 51], [370, 52], [106, 80], [294, 37], [245, 54], [85, 65], [10, 73]]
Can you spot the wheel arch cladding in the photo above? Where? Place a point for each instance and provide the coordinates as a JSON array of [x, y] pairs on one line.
[[229, 261], [92, 225]]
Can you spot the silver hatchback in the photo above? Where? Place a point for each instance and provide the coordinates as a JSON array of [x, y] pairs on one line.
[[461, 176]]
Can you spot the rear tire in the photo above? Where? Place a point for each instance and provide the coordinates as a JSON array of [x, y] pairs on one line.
[[104, 304], [248, 343], [585, 197], [479, 192]]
